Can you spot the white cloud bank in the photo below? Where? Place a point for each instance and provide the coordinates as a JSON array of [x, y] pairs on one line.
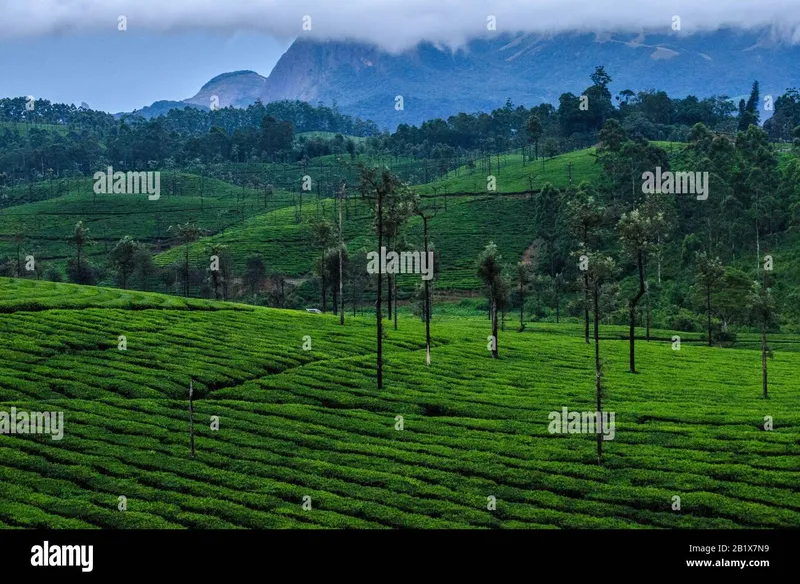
[[393, 24]]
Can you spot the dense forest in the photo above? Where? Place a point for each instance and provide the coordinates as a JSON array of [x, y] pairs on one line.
[[68, 141], [62, 140]]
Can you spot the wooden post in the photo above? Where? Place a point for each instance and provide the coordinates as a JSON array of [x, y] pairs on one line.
[[191, 416]]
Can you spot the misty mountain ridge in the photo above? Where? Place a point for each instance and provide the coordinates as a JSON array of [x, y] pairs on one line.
[[364, 80]]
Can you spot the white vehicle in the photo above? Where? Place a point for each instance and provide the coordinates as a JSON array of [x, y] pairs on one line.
[[314, 310]]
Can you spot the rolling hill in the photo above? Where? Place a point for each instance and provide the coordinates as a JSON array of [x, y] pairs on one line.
[[460, 230], [58, 205], [247, 222], [296, 424]]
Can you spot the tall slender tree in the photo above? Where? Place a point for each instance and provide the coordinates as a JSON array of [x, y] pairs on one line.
[[426, 215], [123, 259], [186, 234], [636, 234], [600, 269], [322, 233], [523, 279], [585, 213], [534, 128], [375, 186], [255, 271], [709, 272], [18, 237], [398, 207], [341, 196], [78, 269], [490, 271], [764, 315]]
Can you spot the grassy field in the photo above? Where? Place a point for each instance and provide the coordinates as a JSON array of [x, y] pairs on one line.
[[296, 423]]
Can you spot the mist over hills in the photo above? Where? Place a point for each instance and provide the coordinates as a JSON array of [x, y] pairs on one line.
[[364, 80]]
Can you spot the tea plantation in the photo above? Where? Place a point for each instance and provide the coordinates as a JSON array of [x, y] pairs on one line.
[[297, 423], [462, 229], [47, 214]]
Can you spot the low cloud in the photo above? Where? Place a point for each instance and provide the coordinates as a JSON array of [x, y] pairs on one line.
[[394, 24]]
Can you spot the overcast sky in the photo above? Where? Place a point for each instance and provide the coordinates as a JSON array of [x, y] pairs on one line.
[[72, 50]]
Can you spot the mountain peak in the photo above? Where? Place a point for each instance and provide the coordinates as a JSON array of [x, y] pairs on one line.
[[365, 80], [231, 75], [236, 88]]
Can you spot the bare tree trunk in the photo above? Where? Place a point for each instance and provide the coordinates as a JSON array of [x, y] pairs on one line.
[[427, 322], [598, 374], [558, 303], [647, 303], [494, 328], [185, 273], [389, 297], [322, 276], [427, 302], [764, 360], [341, 281], [379, 310], [708, 312], [389, 286], [586, 305], [394, 284], [632, 314], [758, 252], [659, 259]]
